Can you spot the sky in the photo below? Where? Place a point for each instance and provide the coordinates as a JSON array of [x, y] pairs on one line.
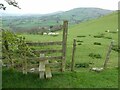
[[50, 6]]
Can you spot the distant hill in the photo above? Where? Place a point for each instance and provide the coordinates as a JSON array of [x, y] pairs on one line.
[[74, 16], [80, 14]]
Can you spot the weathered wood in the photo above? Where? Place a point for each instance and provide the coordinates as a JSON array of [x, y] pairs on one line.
[[41, 74], [48, 70], [108, 55], [65, 30], [47, 58], [41, 67], [56, 69], [73, 55], [46, 51], [54, 64], [44, 43]]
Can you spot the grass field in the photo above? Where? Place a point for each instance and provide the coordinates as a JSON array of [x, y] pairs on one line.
[[82, 78], [79, 79]]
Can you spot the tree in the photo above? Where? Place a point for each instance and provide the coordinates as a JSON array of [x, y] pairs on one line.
[[10, 2]]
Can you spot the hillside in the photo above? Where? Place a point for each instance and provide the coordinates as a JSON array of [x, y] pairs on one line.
[[82, 77], [74, 16]]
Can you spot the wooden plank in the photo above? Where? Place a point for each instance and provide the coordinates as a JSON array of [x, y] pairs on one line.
[[51, 58], [46, 58], [42, 66], [54, 64], [64, 45], [41, 74], [44, 43], [108, 54], [48, 70], [56, 69], [42, 63], [46, 51], [73, 55]]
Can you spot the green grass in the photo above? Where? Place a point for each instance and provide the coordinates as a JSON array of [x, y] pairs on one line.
[[82, 78]]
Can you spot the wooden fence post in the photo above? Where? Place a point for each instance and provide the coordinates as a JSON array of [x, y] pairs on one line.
[[65, 30], [73, 55], [108, 55]]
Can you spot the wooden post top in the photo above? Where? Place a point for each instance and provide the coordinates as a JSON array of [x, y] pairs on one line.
[[65, 21]]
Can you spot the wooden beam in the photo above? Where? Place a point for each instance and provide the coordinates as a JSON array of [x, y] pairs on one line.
[[54, 64], [46, 51], [44, 43], [47, 58]]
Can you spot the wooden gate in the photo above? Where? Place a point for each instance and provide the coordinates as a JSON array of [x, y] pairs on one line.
[[45, 59]]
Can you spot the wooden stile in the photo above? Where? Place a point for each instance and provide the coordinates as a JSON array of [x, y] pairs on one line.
[[45, 67]]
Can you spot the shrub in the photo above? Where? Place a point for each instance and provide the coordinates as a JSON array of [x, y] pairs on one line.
[[106, 31], [113, 32], [81, 36], [99, 36], [79, 43], [92, 55], [116, 48], [108, 37], [97, 43], [82, 65]]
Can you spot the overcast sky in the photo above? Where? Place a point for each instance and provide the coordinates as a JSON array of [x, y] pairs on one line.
[[49, 6]]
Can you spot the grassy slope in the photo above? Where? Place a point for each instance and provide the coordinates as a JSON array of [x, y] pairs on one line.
[[82, 78]]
